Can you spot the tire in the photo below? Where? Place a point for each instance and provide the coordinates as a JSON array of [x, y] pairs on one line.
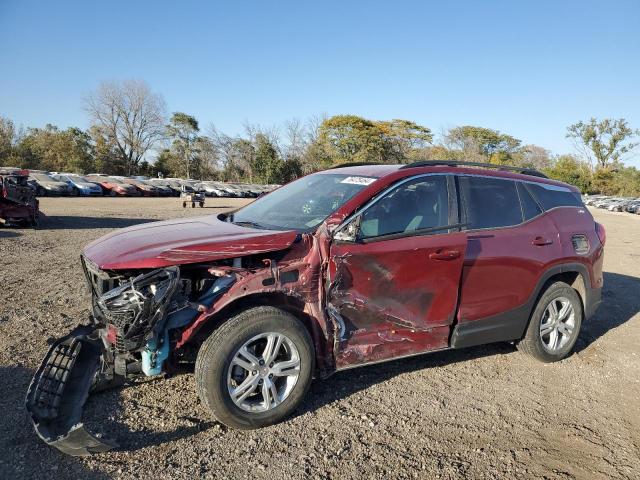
[[535, 342], [214, 370], [75, 192], [184, 204], [201, 204], [112, 193]]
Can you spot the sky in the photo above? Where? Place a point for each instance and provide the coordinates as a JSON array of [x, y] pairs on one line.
[[526, 68]]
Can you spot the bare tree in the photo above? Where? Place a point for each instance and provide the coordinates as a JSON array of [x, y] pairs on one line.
[[131, 116]]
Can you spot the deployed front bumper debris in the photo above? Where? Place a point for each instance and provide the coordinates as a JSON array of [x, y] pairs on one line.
[[59, 390]]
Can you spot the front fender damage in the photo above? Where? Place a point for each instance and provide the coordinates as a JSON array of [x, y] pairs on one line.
[[59, 390]]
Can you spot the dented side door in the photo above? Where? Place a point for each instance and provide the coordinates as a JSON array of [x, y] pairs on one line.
[[394, 298]]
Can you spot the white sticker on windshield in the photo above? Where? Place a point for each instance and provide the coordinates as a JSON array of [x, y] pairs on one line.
[[359, 180]]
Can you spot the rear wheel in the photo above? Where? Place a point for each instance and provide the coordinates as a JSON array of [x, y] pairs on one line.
[[255, 369], [554, 325]]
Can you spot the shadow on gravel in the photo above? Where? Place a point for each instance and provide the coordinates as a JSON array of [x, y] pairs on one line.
[[22, 453], [620, 302], [9, 234], [344, 384], [75, 223]]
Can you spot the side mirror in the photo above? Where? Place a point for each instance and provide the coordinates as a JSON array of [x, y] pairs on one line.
[[349, 232]]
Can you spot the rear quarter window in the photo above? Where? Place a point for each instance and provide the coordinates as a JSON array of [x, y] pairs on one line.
[[552, 196]]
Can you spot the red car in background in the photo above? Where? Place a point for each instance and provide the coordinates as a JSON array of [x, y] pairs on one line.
[[342, 268], [113, 186]]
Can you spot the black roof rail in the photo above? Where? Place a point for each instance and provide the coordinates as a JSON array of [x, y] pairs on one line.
[[456, 163], [354, 164]]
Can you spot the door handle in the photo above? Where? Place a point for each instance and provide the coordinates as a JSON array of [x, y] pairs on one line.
[[541, 241], [444, 255]]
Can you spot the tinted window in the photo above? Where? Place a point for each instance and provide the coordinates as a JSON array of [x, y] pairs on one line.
[[550, 196], [530, 208], [490, 202], [419, 204]]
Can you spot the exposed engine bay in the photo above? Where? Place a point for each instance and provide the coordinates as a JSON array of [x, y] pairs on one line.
[[133, 317]]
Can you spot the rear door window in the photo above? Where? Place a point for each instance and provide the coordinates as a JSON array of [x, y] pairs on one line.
[[489, 202], [530, 208]]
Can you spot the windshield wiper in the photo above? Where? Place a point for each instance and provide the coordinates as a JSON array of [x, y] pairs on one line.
[[248, 224]]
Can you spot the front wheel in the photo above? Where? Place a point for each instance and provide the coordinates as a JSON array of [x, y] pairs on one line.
[[255, 369], [554, 325]]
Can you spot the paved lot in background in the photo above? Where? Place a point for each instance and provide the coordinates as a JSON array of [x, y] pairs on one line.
[[483, 412]]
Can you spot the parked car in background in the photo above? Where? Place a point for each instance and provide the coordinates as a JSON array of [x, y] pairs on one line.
[[145, 189], [79, 185], [172, 184], [46, 185], [210, 189], [113, 187]]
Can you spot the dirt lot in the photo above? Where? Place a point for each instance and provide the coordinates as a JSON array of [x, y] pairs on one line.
[[484, 412]]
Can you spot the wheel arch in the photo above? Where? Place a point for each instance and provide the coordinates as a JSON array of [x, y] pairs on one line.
[[281, 300]]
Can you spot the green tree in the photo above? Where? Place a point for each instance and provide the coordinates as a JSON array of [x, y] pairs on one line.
[[266, 164], [603, 142], [485, 143], [51, 149], [106, 157], [7, 140], [349, 138], [183, 130], [402, 138], [572, 170]]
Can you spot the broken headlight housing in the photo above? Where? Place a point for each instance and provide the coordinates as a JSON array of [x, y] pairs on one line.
[[136, 307]]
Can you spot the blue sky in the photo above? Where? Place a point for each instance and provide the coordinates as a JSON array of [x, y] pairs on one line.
[[528, 68]]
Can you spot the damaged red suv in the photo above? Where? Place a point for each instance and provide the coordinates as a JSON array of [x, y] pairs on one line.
[[342, 268]]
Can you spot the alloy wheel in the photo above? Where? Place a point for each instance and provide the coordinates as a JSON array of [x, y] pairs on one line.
[[263, 372], [557, 325]]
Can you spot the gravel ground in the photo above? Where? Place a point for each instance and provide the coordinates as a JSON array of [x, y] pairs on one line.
[[485, 412]]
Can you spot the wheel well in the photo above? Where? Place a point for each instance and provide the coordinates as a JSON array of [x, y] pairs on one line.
[[285, 302], [574, 279]]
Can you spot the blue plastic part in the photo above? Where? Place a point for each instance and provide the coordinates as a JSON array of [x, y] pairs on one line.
[[157, 348]]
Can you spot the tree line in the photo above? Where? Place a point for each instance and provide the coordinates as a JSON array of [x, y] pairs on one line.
[[129, 125]]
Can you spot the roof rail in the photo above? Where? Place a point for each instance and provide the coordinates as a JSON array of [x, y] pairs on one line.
[[354, 164], [456, 163]]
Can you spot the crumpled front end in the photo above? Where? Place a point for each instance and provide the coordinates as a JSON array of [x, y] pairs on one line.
[[59, 390], [134, 317]]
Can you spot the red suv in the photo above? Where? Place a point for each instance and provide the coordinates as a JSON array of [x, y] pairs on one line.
[[342, 268]]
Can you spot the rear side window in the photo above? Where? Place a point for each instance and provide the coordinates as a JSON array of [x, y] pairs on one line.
[[551, 196], [530, 207], [490, 202]]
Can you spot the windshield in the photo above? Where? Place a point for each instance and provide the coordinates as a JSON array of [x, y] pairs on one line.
[[303, 204]]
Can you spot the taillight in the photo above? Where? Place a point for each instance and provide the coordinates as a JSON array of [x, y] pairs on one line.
[[601, 232]]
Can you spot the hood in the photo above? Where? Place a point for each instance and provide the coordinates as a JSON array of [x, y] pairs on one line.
[[174, 242]]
